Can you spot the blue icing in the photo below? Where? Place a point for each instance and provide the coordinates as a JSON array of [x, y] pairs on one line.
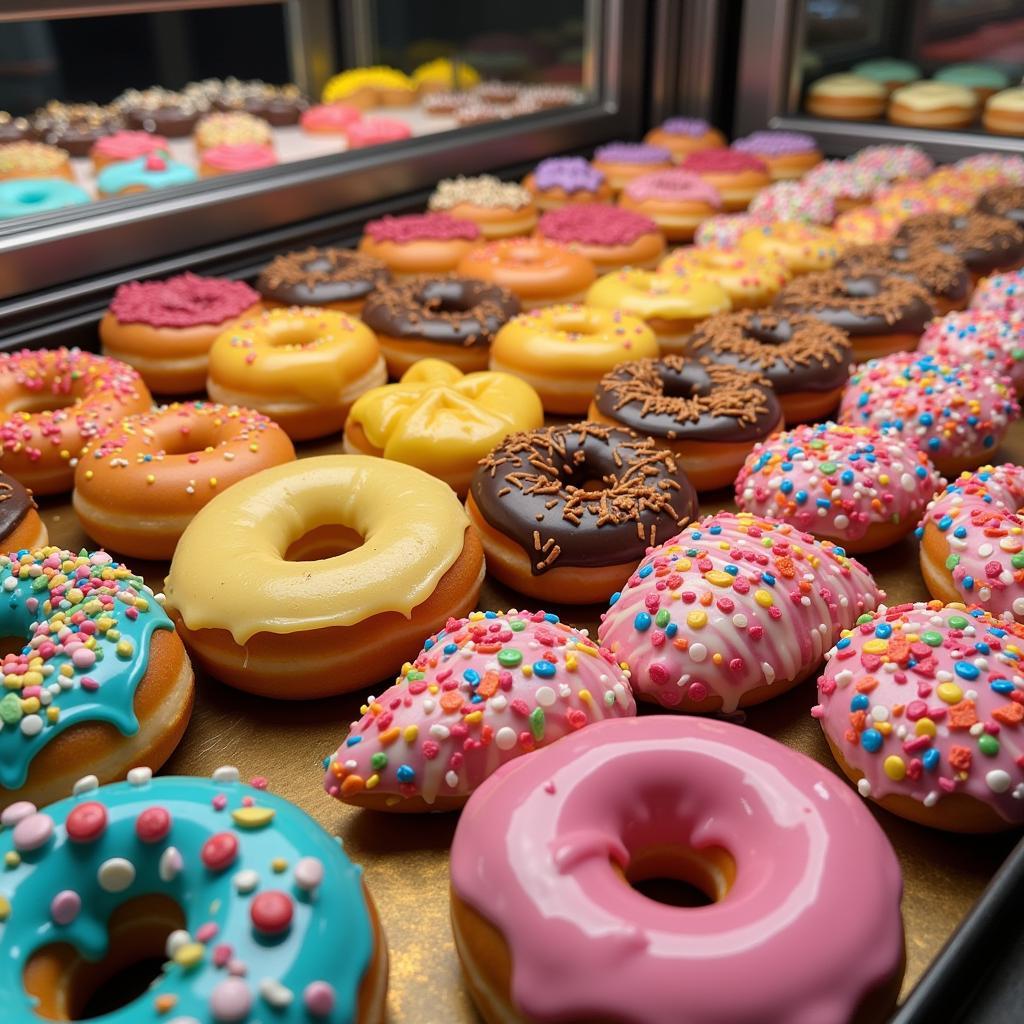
[[330, 939], [115, 178], [22, 196]]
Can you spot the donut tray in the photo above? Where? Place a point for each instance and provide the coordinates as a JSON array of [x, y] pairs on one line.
[[406, 856]]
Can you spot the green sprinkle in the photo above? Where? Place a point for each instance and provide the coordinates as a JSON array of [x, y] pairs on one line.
[[828, 468], [663, 618], [988, 745], [953, 561], [10, 709], [537, 723], [866, 617], [817, 444], [1017, 561], [517, 625], [931, 638], [509, 657], [379, 761], [957, 622]]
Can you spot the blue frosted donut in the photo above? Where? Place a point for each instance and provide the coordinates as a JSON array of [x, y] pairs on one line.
[[257, 913], [22, 196], [146, 172]]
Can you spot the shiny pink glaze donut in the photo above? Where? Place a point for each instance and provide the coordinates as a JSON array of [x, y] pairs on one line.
[[374, 131], [806, 928], [128, 145], [979, 337], [330, 117], [481, 692]]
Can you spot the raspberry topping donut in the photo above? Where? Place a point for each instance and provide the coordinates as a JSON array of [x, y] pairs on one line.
[[20, 525], [978, 337], [737, 177], [608, 236], [419, 243], [549, 928], [861, 488], [565, 512], [233, 887], [676, 200], [920, 705], [484, 690], [1000, 293], [733, 612], [338, 279]]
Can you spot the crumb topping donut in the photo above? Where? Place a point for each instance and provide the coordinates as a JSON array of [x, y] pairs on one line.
[[139, 484], [20, 525], [419, 243], [979, 337], [793, 200], [567, 511], [74, 127], [484, 690], [543, 860], [1001, 293], [956, 413], [262, 610], [229, 885], [27, 159], [895, 163], [919, 704], [806, 361], [608, 236], [749, 281], [986, 244], [861, 488], [230, 128], [13, 129], [682, 135], [736, 176], [620, 162], [803, 248], [499, 208], [1004, 201], [334, 278], [172, 114], [53, 402], [561, 180], [676, 200], [787, 154], [102, 681]]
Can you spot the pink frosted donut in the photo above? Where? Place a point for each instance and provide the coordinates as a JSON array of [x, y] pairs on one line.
[[921, 705], [806, 927], [845, 181], [1000, 293], [732, 612], [978, 337], [330, 118], [375, 131], [793, 200], [862, 488], [1009, 168], [724, 231], [481, 692], [236, 157], [126, 145], [895, 163]]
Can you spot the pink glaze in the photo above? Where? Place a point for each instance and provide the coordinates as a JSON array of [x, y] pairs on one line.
[[979, 337], [674, 186], [594, 224], [722, 161], [186, 300], [792, 200], [733, 603], [810, 926], [837, 482], [374, 131], [724, 231], [415, 227], [235, 157], [330, 117], [926, 700], [1001, 293], [843, 179], [128, 145], [483, 691]]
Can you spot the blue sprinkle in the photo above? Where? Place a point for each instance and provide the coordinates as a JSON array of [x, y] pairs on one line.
[[490, 615], [450, 648], [968, 582], [768, 578], [715, 530], [642, 622], [823, 503], [982, 648], [614, 598], [801, 497], [930, 759], [471, 676], [671, 629], [545, 669], [732, 570], [960, 532], [551, 617], [1003, 686], [353, 740], [860, 702], [847, 476], [786, 486], [427, 644], [844, 642], [934, 443], [645, 571], [966, 670], [883, 630], [406, 773], [871, 740], [945, 523]]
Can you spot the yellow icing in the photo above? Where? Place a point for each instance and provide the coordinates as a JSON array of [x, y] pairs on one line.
[[440, 71], [1008, 99], [934, 96], [347, 83], [645, 294], [845, 85], [802, 247]]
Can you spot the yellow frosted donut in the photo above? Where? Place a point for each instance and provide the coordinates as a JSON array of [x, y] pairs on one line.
[[371, 87], [440, 420], [803, 248], [750, 280], [302, 366], [564, 351], [670, 305]]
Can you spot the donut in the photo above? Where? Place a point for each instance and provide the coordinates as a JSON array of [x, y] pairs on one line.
[[846, 97], [376, 131], [898, 203], [483, 691], [1004, 112], [803, 248], [125, 145], [161, 111], [787, 154], [33, 160], [861, 488], [709, 414], [232, 887], [231, 127], [676, 200], [682, 135], [709, 803], [143, 174], [14, 129], [793, 200], [53, 402], [337, 279], [20, 525], [99, 681], [566, 512], [608, 236], [620, 162], [725, 230], [890, 71], [933, 104], [957, 413], [846, 183], [74, 127], [750, 281], [1008, 167], [499, 208], [980, 337], [329, 118], [1002, 294], [986, 244], [917, 704], [865, 225], [369, 87], [881, 314], [439, 317], [982, 79], [1004, 201], [895, 163], [563, 351], [806, 361], [236, 158], [21, 197], [278, 105], [165, 328], [561, 180], [260, 608], [419, 243], [736, 176], [442, 73], [441, 421]]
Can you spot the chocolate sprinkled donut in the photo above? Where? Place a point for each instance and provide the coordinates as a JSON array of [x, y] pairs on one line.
[[74, 127], [985, 243], [944, 274], [1004, 201], [321, 277]]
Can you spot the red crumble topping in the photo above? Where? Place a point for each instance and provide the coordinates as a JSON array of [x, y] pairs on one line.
[[722, 161], [595, 224], [415, 227], [183, 301]]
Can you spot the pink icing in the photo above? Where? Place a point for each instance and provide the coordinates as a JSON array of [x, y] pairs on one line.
[[792, 200], [183, 301], [535, 854], [734, 603], [128, 145], [374, 131], [1001, 293], [334, 117], [485, 690], [979, 337], [934, 692], [722, 161], [415, 227], [595, 224], [674, 186], [240, 156]]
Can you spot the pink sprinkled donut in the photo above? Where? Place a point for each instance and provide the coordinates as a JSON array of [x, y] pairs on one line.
[[483, 691], [724, 231], [1009, 168], [1001, 293], [732, 612], [921, 705], [848, 183], [793, 200], [978, 337], [895, 163], [862, 488]]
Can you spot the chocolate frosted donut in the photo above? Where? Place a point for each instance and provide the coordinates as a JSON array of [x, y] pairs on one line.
[[806, 360], [880, 314], [985, 243], [15, 504], [74, 127], [1005, 201], [337, 278], [13, 129], [171, 114]]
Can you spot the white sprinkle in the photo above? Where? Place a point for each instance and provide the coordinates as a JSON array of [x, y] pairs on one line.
[[931, 798], [998, 780], [545, 696], [140, 776], [505, 738], [498, 702], [86, 784], [178, 938], [245, 881], [844, 678], [170, 864], [698, 652], [769, 672], [739, 620], [440, 732], [116, 874], [864, 788], [451, 779], [309, 873], [31, 725], [277, 995], [225, 773]]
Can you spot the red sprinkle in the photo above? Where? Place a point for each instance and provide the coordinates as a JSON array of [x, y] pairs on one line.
[[153, 824], [219, 851], [271, 912], [87, 822]]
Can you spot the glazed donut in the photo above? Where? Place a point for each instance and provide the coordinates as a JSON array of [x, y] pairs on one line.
[[956, 413], [139, 484], [125, 145], [608, 236], [419, 243], [538, 272], [499, 208], [986, 244], [895, 163], [1004, 201], [846, 97], [338, 279], [261, 610], [880, 314], [750, 281], [329, 118], [483, 691], [563, 351], [143, 174], [672, 306], [34, 160], [1004, 112], [102, 682], [21, 197], [440, 421], [621, 162], [1002, 294], [866, 225], [933, 104], [978, 337], [858, 487], [725, 230], [787, 154], [561, 180], [682, 135], [20, 525], [676, 200], [806, 361], [165, 328], [737, 177], [442, 317], [709, 414], [803, 248], [436, 75], [793, 200], [303, 367], [847, 183], [565, 512], [53, 402], [911, 703], [236, 158], [231, 127], [706, 802], [256, 881]]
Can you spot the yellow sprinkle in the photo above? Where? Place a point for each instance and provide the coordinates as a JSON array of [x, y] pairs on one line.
[[894, 767], [189, 955], [584, 696], [5, 908], [949, 693], [213, 481], [372, 781], [89, 474], [570, 663], [884, 727], [410, 734], [278, 864], [474, 717], [924, 727], [527, 670], [716, 658], [697, 618], [30, 705], [53, 713], [876, 646], [12, 859], [434, 689], [718, 578], [763, 598], [252, 817], [150, 479], [125, 649]]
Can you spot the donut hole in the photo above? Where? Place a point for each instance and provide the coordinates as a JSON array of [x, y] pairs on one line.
[[861, 287], [70, 987], [296, 335], [194, 440], [445, 297], [323, 542], [11, 645], [40, 401], [681, 876]]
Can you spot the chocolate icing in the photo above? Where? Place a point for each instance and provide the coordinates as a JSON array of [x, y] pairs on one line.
[[75, 127], [583, 495], [688, 399], [173, 122], [443, 309], [1005, 201], [943, 274], [15, 503], [796, 352], [986, 244], [13, 129], [315, 277]]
